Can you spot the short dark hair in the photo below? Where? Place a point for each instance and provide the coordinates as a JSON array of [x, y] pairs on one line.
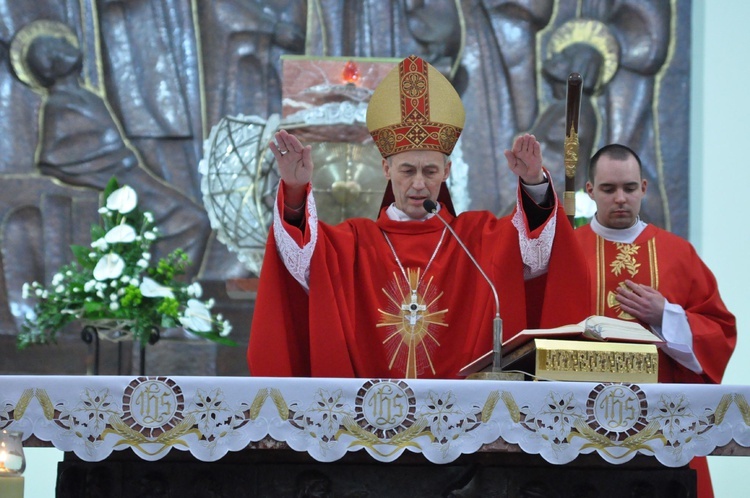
[[614, 151]]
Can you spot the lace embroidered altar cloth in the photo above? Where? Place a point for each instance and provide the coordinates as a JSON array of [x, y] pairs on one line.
[[93, 416]]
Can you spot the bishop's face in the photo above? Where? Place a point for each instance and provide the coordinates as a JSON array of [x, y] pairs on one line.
[[415, 176]]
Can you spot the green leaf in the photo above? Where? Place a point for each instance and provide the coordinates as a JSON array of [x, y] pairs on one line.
[[97, 232], [112, 185], [92, 306], [81, 254]]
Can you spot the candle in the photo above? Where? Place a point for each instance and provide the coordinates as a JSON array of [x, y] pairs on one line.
[[11, 486], [10, 462]]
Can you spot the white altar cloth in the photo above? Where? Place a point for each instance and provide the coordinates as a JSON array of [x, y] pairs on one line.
[[93, 416]]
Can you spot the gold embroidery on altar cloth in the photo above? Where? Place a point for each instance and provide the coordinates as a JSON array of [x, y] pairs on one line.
[[410, 319]]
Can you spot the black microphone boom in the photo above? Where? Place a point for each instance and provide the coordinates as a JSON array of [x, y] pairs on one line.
[[497, 324]]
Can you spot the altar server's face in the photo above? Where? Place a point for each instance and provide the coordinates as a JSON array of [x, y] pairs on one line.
[[415, 176], [618, 190]]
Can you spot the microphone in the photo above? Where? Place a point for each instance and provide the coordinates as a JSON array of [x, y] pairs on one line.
[[497, 323]]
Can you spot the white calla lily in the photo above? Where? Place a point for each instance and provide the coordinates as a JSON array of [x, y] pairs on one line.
[[149, 288], [110, 266], [196, 317], [122, 200], [585, 206], [122, 234]]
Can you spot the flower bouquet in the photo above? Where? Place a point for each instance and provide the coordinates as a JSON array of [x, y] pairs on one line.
[[114, 281]]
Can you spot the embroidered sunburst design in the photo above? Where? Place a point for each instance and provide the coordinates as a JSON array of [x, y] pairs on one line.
[[410, 319], [614, 304]]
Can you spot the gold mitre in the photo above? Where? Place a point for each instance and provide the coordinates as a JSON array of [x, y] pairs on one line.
[[415, 108]]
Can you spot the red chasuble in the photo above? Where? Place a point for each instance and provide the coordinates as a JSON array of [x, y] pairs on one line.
[[669, 264], [366, 315]]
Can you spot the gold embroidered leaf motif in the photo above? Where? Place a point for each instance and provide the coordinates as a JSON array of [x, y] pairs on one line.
[[257, 403], [595, 439], [638, 440], [129, 435], [47, 407], [23, 403], [185, 426], [744, 407], [625, 259], [412, 432], [362, 436], [721, 408], [511, 405], [281, 405]]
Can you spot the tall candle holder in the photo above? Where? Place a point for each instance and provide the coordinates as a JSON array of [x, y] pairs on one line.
[[12, 464]]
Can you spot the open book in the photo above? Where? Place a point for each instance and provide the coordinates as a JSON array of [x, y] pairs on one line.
[[596, 328]]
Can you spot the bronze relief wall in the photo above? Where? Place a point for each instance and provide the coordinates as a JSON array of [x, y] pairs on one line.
[[132, 87]]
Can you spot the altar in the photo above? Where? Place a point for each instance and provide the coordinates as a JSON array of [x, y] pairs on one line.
[[370, 437]]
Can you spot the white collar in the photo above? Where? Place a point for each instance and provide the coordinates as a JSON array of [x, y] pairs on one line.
[[395, 214], [622, 235]]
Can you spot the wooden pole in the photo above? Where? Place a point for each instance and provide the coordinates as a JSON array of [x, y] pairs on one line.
[[572, 112]]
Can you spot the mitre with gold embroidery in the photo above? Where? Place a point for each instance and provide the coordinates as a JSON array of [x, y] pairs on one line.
[[415, 108]]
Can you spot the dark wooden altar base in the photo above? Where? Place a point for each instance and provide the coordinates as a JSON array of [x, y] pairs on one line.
[[266, 472]]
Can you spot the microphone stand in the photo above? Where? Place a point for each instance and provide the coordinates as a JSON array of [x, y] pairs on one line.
[[497, 372]]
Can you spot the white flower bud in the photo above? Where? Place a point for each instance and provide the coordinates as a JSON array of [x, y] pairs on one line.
[[114, 306], [226, 330], [100, 244], [194, 290]]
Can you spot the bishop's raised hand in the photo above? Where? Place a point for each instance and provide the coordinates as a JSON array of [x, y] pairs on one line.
[[525, 159], [293, 159]]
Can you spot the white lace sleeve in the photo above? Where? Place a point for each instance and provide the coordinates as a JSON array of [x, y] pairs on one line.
[[535, 253], [296, 259]]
